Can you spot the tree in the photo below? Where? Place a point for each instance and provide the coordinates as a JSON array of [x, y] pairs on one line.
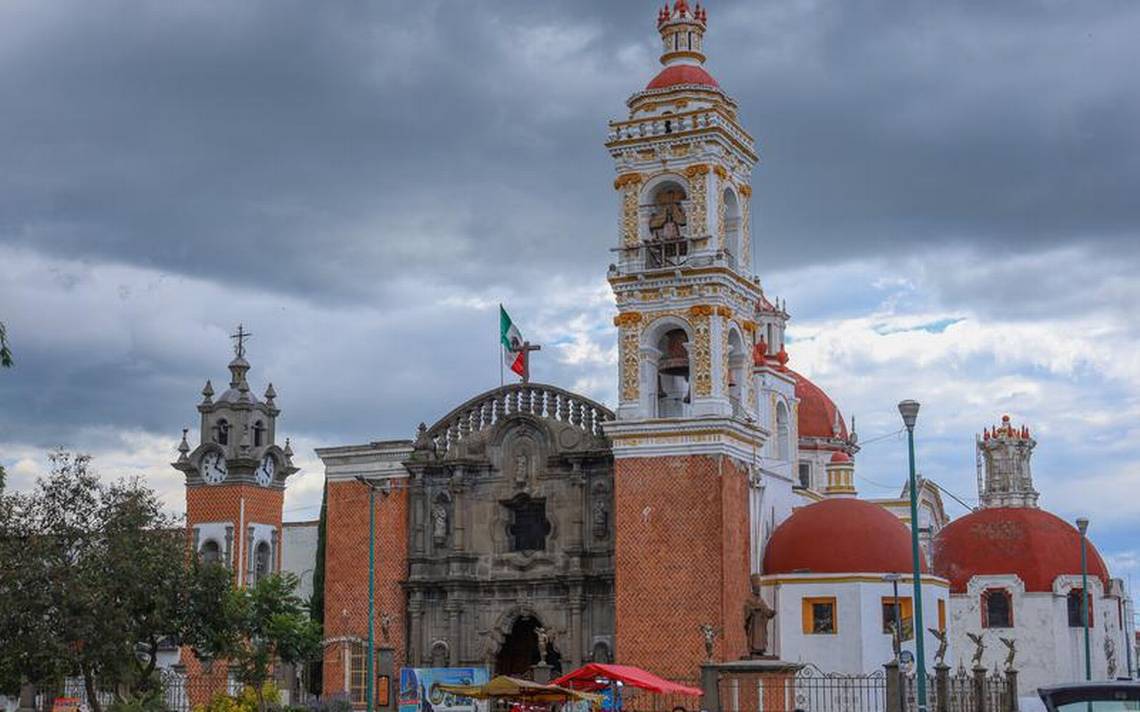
[[5, 353], [317, 599], [92, 576], [263, 623]]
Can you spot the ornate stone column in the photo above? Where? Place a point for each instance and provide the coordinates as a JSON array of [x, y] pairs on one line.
[[577, 605], [415, 625], [452, 608], [455, 486]]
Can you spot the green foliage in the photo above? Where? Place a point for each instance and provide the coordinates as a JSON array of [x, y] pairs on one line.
[[5, 353], [246, 701], [259, 624], [317, 599], [151, 699], [92, 577]]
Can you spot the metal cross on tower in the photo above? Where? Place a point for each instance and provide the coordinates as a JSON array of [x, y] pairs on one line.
[[239, 341]]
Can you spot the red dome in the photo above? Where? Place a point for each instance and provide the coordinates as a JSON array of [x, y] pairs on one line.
[[1033, 544], [681, 74], [840, 536], [840, 456], [817, 412]]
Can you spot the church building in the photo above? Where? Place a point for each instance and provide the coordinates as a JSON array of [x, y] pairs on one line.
[[638, 534]]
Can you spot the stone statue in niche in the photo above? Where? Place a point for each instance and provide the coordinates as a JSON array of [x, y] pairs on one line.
[[543, 644], [522, 467], [668, 215], [601, 520], [439, 522], [757, 613], [709, 635]]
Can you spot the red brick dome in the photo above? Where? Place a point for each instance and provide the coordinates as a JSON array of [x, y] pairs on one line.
[[817, 412], [1034, 544], [682, 74], [840, 536]]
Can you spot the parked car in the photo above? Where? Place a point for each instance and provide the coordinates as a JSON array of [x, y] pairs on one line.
[[1115, 696]]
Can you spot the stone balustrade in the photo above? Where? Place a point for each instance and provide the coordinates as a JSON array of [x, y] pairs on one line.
[[487, 410]]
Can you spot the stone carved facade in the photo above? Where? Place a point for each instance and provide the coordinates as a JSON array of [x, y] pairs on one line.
[[699, 318], [698, 200], [629, 335], [630, 186], [530, 476]]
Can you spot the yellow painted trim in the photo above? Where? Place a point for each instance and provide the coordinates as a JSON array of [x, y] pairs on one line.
[[625, 279], [927, 580], [747, 150], [808, 617]]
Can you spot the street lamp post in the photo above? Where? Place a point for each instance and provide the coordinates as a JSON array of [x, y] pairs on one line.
[[371, 588], [909, 411], [1083, 526]]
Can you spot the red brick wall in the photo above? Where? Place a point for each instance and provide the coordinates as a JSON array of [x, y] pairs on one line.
[[681, 560], [346, 573], [222, 503]]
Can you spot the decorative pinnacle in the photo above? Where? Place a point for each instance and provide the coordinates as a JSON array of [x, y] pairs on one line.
[[183, 447], [288, 449], [208, 393], [270, 394]]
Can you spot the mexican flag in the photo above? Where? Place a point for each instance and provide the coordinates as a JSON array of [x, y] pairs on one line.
[[513, 355]]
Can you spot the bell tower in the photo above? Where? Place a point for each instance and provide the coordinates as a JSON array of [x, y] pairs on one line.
[[1005, 450], [235, 477], [690, 432]]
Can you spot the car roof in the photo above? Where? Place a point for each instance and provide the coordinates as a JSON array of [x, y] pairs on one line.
[[1055, 696]]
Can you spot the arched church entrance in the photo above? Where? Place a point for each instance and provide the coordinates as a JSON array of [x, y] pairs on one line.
[[519, 653]]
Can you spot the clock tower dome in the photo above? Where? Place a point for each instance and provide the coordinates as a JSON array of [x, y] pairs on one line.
[[701, 381], [235, 477]]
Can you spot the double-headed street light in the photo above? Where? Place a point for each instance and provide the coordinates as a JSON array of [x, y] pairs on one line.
[[909, 411], [1083, 526]]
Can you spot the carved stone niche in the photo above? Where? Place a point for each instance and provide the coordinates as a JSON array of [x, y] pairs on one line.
[[600, 512], [523, 458]]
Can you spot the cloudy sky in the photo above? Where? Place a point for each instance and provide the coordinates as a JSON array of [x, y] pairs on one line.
[[947, 200]]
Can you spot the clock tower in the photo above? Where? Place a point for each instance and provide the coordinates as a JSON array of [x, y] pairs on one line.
[[235, 477], [699, 380]]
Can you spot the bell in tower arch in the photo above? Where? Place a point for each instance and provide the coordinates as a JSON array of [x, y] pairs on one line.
[[673, 374]]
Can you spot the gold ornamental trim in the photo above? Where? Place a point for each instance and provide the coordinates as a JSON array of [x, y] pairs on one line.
[[627, 318], [720, 172], [701, 310], [746, 190], [724, 311], [699, 169], [749, 326], [627, 179]]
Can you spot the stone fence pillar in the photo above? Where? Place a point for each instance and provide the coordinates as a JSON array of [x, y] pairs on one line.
[[27, 697], [942, 686], [1011, 687], [980, 690], [894, 687]]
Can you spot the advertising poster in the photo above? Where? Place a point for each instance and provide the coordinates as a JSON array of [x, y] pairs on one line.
[[419, 689]]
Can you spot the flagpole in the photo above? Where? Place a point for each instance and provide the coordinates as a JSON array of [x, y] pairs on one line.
[[502, 355]]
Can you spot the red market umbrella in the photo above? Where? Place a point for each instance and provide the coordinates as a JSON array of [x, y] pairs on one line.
[[586, 678]]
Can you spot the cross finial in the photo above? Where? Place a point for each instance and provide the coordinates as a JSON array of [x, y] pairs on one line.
[[239, 341]]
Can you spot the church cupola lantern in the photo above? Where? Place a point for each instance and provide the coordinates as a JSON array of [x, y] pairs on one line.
[[1004, 475]]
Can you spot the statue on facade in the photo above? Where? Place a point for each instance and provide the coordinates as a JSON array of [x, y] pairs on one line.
[[1011, 646], [543, 644], [757, 613], [940, 636], [979, 647], [669, 216], [1110, 656], [522, 468], [601, 520], [439, 522], [385, 625], [709, 635]]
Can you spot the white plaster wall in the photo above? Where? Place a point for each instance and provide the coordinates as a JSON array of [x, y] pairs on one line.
[[1048, 650], [859, 645], [772, 503], [299, 554]]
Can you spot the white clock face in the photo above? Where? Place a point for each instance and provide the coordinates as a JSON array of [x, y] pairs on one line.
[[266, 470], [213, 467]]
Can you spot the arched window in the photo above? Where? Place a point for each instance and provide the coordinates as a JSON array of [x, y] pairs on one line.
[[673, 374], [210, 552], [732, 241], [222, 432], [997, 608], [1076, 620], [668, 243], [805, 474], [737, 373], [258, 434], [783, 433], [262, 564]]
